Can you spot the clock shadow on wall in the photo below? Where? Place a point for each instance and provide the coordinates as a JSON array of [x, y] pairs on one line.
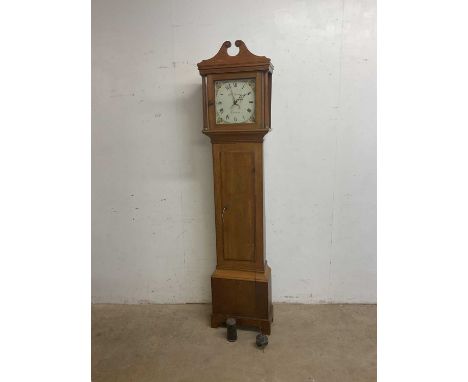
[[196, 158]]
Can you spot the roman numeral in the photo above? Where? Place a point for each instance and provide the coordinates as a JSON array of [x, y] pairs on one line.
[[227, 116], [235, 119]]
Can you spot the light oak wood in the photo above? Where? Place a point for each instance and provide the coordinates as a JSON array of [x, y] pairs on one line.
[[241, 283]]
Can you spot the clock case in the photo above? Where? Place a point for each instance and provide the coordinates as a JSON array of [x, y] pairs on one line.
[[241, 283]]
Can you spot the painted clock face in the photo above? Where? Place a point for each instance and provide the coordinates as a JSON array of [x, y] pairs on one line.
[[235, 101]]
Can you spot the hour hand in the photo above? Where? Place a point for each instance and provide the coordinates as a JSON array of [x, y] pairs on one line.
[[241, 97]]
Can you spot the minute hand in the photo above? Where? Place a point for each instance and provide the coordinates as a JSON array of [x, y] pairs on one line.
[[233, 99]]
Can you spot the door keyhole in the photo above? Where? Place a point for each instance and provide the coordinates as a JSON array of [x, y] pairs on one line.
[[222, 213]]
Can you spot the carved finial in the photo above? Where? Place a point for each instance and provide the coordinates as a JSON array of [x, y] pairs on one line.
[[242, 47], [224, 48]]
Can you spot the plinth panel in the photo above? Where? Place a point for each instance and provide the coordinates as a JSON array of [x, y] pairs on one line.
[[243, 295]]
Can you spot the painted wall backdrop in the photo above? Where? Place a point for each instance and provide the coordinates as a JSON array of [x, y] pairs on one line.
[[153, 234]]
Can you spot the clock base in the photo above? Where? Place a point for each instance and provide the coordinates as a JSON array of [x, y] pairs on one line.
[[243, 295]]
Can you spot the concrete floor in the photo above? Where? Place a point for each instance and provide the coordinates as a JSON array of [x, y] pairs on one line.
[[321, 343]]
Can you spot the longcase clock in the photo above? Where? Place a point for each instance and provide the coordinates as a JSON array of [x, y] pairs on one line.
[[236, 117]]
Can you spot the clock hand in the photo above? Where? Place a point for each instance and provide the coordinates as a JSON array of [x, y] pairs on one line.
[[241, 97], [233, 99]]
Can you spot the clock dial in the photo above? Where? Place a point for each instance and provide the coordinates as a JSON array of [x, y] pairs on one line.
[[235, 101]]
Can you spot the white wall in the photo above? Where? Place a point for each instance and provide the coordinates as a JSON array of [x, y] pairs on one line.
[[153, 236]]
